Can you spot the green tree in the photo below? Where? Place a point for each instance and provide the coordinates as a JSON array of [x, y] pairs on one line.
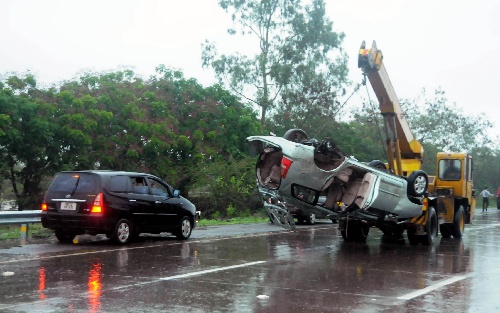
[[164, 125], [226, 186], [436, 121], [30, 141], [299, 63]]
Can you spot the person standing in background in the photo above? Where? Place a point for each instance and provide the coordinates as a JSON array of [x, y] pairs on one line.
[[486, 198], [498, 198]]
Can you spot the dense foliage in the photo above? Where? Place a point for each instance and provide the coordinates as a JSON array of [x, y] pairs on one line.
[[165, 125]]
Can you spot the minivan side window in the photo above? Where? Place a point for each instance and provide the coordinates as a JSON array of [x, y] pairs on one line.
[[139, 185], [119, 184], [157, 188]]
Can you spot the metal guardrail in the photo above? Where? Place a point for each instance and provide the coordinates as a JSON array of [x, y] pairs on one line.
[[24, 218]]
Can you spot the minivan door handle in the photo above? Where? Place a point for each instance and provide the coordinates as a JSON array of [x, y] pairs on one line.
[[157, 202], [132, 200]]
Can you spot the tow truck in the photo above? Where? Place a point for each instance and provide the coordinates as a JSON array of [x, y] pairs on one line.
[[450, 191], [395, 197]]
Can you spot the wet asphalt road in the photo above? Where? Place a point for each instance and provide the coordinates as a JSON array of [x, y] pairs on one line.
[[256, 268]]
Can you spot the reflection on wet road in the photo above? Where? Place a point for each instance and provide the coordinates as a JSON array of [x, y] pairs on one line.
[[257, 268]]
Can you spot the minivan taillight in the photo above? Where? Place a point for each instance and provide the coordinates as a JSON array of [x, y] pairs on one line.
[[285, 166], [98, 206], [43, 206]]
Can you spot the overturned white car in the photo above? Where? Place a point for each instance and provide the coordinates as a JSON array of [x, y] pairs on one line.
[[295, 171]]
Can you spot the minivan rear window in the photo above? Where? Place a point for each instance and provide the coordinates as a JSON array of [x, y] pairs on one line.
[[66, 182]]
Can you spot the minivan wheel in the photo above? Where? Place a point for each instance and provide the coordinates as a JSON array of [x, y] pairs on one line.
[[64, 237], [185, 228], [123, 232]]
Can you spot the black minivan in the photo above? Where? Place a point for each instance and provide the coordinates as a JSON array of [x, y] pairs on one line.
[[119, 204]]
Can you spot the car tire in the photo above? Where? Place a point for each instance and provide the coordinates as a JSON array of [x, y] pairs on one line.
[[295, 135], [310, 219], [413, 238], [445, 230], [378, 165], [431, 228], [391, 231], [458, 227], [123, 232], [353, 230], [417, 183], [185, 229], [64, 236]]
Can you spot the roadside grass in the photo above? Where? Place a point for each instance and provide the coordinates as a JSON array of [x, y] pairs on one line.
[[34, 231], [233, 221], [38, 231]]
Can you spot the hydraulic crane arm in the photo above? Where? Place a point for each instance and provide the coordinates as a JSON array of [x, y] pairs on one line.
[[404, 152]]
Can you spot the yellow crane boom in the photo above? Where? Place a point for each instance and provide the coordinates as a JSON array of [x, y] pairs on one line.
[[404, 152]]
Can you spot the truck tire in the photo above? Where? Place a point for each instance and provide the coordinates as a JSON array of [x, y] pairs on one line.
[[431, 228], [458, 223], [445, 230], [417, 183], [295, 135]]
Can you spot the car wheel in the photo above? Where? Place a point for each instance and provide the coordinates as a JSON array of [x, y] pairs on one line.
[[458, 223], [413, 238], [123, 232], [417, 183], [391, 231], [295, 135], [378, 165], [311, 219], [431, 228], [64, 237], [185, 228], [352, 230], [445, 230]]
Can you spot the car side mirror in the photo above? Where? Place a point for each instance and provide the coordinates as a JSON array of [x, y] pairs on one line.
[[176, 193]]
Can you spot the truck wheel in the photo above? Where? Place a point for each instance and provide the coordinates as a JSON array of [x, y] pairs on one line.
[[64, 236], [352, 230], [431, 228], [184, 230], [123, 232], [417, 183], [445, 231], [311, 219], [295, 135], [458, 223]]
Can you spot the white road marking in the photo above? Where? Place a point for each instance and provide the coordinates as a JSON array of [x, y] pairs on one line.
[[423, 291], [472, 228], [214, 270]]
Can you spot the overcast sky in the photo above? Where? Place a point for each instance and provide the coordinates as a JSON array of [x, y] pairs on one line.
[[448, 44]]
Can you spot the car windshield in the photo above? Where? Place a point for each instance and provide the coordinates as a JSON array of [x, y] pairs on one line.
[[72, 182]]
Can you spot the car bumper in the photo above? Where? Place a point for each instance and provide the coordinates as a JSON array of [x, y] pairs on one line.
[[78, 223]]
